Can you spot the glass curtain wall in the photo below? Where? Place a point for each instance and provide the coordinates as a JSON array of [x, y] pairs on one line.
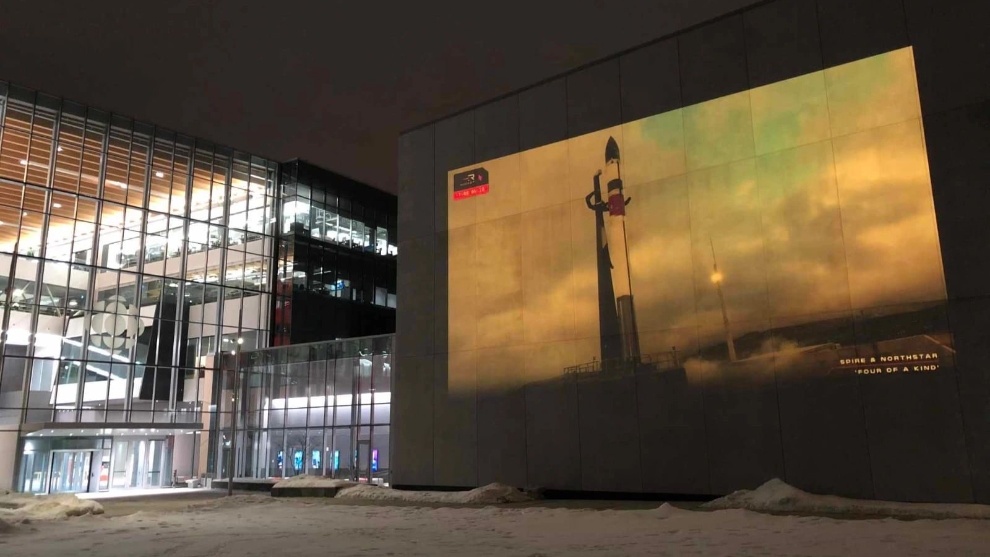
[[128, 256], [322, 409], [338, 244]]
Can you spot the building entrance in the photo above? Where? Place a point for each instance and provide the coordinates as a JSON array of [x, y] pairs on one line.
[[71, 471], [138, 463]]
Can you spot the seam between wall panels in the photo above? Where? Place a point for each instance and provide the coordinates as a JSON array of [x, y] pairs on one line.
[[704, 413], [635, 384], [525, 412], [776, 384], [477, 422], [433, 362], [859, 386]]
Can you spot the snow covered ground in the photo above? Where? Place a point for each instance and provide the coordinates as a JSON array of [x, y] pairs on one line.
[[777, 496], [259, 525]]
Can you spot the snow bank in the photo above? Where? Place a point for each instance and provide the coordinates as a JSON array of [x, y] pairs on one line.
[[313, 481], [490, 494], [16, 508], [778, 496], [667, 510]]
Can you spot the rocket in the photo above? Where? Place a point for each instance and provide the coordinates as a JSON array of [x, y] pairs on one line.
[[619, 335]]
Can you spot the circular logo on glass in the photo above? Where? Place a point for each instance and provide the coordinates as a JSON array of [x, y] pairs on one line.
[[116, 324]]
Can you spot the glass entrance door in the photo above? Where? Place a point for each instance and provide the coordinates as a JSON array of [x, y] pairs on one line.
[[153, 473], [138, 463], [70, 471], [363, 457]]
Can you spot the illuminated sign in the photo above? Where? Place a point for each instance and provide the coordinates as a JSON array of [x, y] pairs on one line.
[[470, 183], [895, 363], [374, 460], [336, 460]]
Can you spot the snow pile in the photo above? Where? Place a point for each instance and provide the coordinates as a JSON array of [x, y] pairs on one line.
[[16, 508], [778, 496], [490, 494], [313, 481], [667, 510]]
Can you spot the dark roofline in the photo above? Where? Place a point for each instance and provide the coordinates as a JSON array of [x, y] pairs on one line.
[[111, 114], [360, 183], [596, 61]]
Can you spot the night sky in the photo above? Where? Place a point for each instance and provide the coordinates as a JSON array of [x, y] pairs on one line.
[[328, 81]]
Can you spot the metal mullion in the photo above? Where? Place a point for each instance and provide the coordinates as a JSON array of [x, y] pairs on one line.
[[206, 262], [13, 258], [222, 270], [309, 395], [218, 334], [91, 288], [3, 114], [391, 431], [35, 308], [18, 456], [180, 294], [274, 240], [356, 410], [333, 421], [44, 248], [157, 338], [101, 187], [326, 402], [30, 134], [3, 108], [129, 394], [99, 196]]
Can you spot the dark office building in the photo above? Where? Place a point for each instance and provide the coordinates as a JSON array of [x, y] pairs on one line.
[[752, 249], [336, 258]]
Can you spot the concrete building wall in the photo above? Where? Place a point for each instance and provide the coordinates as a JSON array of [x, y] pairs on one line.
[[918, 437], [8, 458]]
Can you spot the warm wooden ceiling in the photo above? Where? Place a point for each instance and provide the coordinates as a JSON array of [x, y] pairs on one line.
[[136, 168]]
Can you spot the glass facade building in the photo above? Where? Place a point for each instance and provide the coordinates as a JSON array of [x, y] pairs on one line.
[[337, 259], [320, 409], [129, 257]]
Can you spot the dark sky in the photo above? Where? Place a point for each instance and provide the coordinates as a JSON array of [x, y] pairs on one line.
[[329, 81]]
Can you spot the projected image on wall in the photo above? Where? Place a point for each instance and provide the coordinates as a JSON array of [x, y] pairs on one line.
[[782, 232]]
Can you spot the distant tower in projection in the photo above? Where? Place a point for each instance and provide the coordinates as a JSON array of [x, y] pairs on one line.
[[617, 314], [717, 281]]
